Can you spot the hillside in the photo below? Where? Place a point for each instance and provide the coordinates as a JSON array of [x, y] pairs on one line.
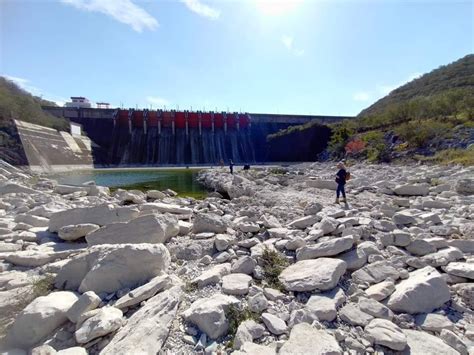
[[432, 116], [457, 75], [18, 104], [15, 103]]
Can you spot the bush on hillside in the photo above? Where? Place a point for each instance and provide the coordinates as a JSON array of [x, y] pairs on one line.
[[18, 104], [420, 132]]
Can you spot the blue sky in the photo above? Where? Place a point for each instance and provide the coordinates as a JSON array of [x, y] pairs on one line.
[[276, 56]]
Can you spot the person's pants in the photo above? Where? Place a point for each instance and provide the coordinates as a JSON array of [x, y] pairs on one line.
[[340, 189]]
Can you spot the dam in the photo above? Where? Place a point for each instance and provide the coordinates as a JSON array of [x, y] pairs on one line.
[[132, 137]]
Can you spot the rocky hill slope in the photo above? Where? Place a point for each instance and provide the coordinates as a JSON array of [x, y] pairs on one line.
[[275, 269]]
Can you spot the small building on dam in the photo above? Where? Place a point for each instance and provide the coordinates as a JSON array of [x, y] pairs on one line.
[[132, 137]]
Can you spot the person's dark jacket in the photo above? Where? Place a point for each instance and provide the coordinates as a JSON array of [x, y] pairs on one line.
[[341, 177]]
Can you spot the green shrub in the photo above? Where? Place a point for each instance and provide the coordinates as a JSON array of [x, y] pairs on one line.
[[273, 264], [420, 132], [340, 136], [377, 149], [454, 156]]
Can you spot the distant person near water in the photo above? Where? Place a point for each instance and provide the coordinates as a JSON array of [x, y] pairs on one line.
[[341, 178], [231, 166]]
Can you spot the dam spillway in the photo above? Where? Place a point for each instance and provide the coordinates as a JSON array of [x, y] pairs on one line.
[[132, 137]]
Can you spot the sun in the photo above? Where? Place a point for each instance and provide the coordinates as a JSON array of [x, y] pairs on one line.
[[276, 7]]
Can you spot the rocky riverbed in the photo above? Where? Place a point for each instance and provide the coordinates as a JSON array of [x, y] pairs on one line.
[[267, 264]]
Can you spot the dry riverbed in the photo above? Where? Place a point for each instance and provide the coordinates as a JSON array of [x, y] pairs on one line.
[[266, 264]]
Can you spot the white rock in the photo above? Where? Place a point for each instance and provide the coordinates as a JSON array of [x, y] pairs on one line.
[[12, 188], [328, 248], [236, 284], [247, 331], [322, 184], [75, 350], [270, 221], [460, 269], [155, 194], [381, 290], [420, 247], [304, 339], [222, 242], [108, 268], [207, 222], [323, 306], [424, 291], [412, 190], [213, 275], [274, 324], [352, 314], [166, 208], [426, 344], [148, 290], [434, 322], [328, 225], [304, 222], [76, 231], [68, 189], [144, 229], [465, 186], [375, 308], [453, 341], [209, 314], [147, 329], [184, 227], [316, 274], [40, 318], [376, 272], [244, 265], [86, 302], [404, 218], [255, 349], [386, 333], [258, 303], [106, 321], [34, 221], [100, 215]]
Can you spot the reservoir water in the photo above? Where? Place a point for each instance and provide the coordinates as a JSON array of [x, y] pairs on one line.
[[183, 181]]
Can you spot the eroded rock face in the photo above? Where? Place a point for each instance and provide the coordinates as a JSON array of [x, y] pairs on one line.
[[40, 318], [316, 274], [424, 291], [108, 268]]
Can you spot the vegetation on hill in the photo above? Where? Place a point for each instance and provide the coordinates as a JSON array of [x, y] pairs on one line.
[[457, 75], [18, 104], [430, 116]]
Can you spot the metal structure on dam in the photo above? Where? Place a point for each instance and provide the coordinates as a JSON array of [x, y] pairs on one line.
[[156, 137]]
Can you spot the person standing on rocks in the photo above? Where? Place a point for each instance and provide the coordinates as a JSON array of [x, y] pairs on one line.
[[231, 166], [341, 182]]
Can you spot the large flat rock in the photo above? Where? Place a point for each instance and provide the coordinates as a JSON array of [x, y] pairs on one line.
[[315, 274]]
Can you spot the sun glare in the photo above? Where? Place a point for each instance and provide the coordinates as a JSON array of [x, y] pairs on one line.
[[276, 7]]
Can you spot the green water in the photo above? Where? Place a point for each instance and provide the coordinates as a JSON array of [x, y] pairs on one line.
[[183, 181]]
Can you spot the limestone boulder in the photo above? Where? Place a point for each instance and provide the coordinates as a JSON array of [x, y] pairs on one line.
[[424, 291], [419, 342], [76, 231], [86, 302], [213, 275], [106, 321], [108, 268], [100, 215], [386, 333], [146, 291], [314, 274], [207, 222], [323, 306], [381, 290], [144, 229], [328, 248], [209, 314], [304, 222], [412, 190], [244, 265], [460, 269], [166, 208], [274, 324], [40, 318], [465, 186], [305, 339], [236, 284]]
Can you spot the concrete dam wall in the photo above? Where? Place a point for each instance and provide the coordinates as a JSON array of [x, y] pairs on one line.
[[145, 137]]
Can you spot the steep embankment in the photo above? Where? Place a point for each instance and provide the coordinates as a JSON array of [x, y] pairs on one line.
[[15, 103], [432, 116]]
